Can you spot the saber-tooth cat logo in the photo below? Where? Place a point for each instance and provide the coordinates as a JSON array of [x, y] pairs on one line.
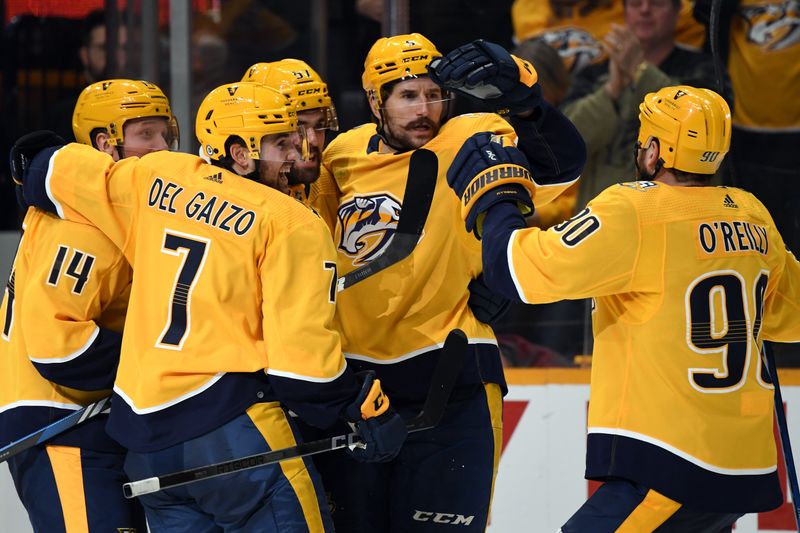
[[367, 224], [775, 26]]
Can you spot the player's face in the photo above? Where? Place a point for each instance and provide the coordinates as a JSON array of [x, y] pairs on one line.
[[313, 123], [278, 155], [413, 113], [145, 135], [651, 21]]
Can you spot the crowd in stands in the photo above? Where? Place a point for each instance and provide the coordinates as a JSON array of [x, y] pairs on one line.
[[596, 59]]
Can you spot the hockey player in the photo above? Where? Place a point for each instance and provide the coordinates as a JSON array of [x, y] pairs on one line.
[[316, 114], [69, 288], [229, 316], [688, 279], [396, 321]]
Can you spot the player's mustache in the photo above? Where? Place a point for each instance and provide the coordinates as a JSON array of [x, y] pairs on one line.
[[422, 121]]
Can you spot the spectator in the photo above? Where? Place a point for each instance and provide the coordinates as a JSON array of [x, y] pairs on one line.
[[604, 98], [575, 27]]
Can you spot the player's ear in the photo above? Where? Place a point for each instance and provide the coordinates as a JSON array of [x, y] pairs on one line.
[[373, 105], [239, 154], [652, 153], [101, 142]]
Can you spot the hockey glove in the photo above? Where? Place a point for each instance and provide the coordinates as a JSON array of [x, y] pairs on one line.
[[487, 72], [26, 148], [376, 422], [486, 305], [484, 173]]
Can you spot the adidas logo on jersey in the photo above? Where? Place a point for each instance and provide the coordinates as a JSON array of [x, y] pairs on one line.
[[216, 178], [728, 202]]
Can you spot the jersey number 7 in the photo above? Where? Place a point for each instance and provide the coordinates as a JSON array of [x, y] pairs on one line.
[[193, 251]]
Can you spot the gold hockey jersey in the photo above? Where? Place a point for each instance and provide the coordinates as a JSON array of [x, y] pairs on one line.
[[231, 279], [407, 310], [69, 286], [686, 281]]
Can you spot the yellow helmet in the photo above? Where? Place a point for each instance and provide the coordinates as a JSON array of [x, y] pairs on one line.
[[396, 58], [299, 83], [246, 109], [693, 127], [109, 104]]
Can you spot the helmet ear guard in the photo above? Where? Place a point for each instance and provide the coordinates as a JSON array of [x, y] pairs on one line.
[[109, 104], [692, 126]]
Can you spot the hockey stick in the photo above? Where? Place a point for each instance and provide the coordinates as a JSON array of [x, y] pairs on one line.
[[783, 430], [56, 428], [423, 169], [442, 382]]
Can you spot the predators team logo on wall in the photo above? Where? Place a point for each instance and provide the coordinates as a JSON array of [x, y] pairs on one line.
[[367, 224], [775, 26]]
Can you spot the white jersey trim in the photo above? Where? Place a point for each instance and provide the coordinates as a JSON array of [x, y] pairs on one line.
[[684, 455], [47, 179], [510, 261], [74, 355], [301, 377], [40, 403], [410, 355], [207, 385]]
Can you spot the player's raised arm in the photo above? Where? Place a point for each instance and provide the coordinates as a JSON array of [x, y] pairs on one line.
[[532, 265], [487, 72]]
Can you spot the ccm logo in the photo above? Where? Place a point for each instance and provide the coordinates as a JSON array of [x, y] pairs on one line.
[[414, 58], [443, 518], [309, 91]]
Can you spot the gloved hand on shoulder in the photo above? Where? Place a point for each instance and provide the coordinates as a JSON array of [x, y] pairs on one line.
[[376, 422], [484, 173], [26, 148]]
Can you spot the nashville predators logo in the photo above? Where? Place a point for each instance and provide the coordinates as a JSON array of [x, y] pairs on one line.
[[576, 47], [367, 224], [773, 26]]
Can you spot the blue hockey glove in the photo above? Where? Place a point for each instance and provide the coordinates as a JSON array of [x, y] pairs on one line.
[[484, 173], [486, 305], [376, 422], [487, 72], [26, 147]]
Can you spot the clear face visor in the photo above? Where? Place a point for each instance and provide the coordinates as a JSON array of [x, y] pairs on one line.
[[284, 148], [413, 98], [419, 101], [170, 136], [315, 123]]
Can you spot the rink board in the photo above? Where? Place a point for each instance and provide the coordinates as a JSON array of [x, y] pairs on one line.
[[540, 482]]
